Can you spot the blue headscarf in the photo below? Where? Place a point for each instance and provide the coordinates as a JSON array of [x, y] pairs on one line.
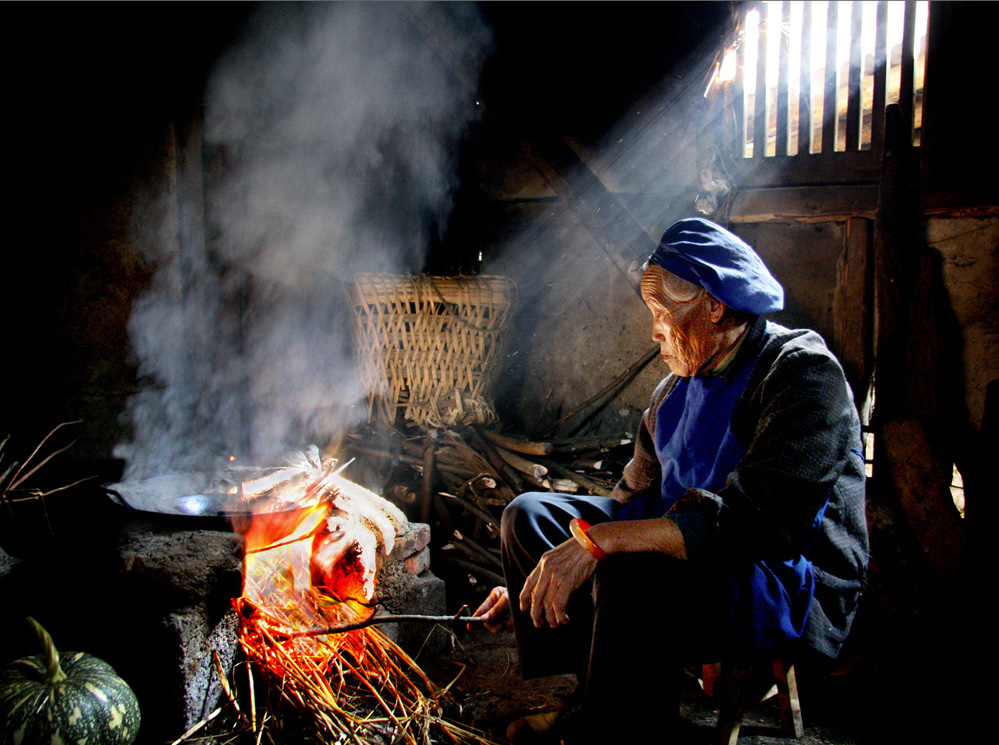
[[722, 263]]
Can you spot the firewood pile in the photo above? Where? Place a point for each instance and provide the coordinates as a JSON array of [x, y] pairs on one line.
[[459, 480], [428, 350]]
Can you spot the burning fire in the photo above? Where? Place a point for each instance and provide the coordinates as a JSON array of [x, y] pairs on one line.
[[311, 560], [319, 538]]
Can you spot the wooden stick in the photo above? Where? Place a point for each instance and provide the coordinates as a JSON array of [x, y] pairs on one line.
[[542, 412], [533, 472], [469, 491], [443, 515], [464, 473], [506, 494], [564, 485], [381, 619], [479, 513], [599, 442], [19, 476], [588, 464], [480, 458], [611, 390], [463, 550], [483, 553], [427, 488], [491, 577], [589, 484], [518, 446], [509, 474]]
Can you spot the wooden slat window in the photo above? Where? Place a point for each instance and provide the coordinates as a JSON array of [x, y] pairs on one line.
[[814, 77]]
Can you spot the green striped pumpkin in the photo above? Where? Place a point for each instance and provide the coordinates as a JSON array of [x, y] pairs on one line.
[[78, 700]]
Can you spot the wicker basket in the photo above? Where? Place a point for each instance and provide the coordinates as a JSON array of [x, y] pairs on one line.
[[423, 341]]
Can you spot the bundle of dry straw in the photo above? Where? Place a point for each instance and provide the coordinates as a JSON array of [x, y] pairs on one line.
[[353, 687]]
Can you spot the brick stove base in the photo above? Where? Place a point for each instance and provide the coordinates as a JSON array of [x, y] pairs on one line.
[[159, 605], [406, 585]]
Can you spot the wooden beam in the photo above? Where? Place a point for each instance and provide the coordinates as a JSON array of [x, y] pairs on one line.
[[598, 210], [804, 203], [860, 166]]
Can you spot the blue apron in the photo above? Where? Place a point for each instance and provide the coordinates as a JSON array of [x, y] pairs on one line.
[[769, 600]]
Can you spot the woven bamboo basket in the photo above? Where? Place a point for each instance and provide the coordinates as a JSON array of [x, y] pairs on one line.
[[428, 344]]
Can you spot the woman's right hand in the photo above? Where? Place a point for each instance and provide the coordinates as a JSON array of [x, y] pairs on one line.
[[495, 610]]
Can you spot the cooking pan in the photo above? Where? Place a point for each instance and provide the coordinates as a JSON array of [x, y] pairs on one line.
[[192, 500]]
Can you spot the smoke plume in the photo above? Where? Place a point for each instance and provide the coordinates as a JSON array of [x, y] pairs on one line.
[[330, 133]]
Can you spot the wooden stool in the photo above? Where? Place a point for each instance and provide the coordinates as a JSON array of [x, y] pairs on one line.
[[736, 688]]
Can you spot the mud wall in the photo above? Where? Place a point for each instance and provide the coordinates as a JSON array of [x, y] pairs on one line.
[[968, 252], [581, 323]]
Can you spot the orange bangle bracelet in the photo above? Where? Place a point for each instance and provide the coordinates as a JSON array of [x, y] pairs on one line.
[[578, 529]]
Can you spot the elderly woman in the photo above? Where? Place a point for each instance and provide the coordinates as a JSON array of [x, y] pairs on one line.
[[737, 530]]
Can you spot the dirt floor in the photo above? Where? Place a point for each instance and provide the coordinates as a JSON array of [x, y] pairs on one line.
[[491, 693]]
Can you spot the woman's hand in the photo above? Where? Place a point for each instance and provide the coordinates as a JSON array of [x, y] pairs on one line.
[[561, 571], [495, 609]]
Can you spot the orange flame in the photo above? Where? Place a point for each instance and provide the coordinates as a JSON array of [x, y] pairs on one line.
[[311, 562]]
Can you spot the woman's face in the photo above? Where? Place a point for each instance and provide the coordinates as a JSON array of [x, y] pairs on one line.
[[684, 320]]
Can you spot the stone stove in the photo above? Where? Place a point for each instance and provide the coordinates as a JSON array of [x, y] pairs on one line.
[[158, 607]]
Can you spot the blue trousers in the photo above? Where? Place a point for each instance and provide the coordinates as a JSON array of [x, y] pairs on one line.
[[631, 628]]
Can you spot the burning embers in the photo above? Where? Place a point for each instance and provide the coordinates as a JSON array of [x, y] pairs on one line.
[[311, 562]]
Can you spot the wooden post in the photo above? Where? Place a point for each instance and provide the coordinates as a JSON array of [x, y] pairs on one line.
[[891, 269], [911, 437], [853, 317], [427, 487]]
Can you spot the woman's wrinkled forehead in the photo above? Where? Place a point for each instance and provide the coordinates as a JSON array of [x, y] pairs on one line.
[[662, 286]]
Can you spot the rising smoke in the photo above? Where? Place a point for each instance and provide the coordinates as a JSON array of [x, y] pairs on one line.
[[330, 134]]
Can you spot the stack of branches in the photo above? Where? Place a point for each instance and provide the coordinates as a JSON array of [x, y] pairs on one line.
[[459, 480]]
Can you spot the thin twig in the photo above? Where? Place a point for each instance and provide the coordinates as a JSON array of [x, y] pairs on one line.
[[380, 619], [18, 478], [311, 534], [198, 726], [481, 552], [67, 486], [611, 390], [592, 485], [490, 577], [224, 681], [488, 519]]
